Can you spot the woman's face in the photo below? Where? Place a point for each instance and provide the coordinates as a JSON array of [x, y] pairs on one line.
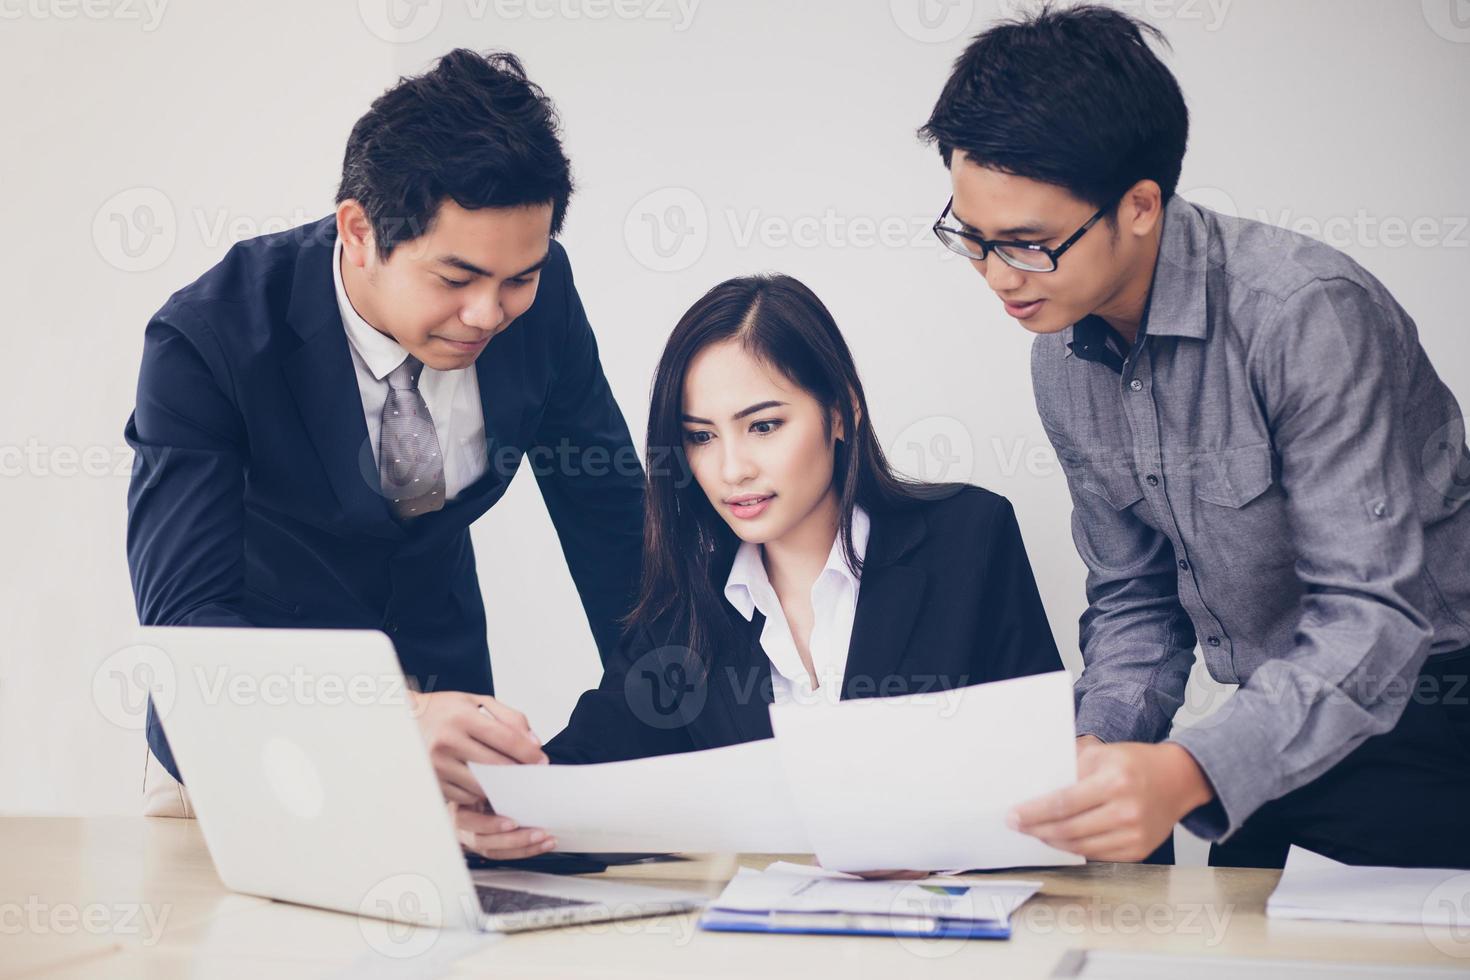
[[756, 443]]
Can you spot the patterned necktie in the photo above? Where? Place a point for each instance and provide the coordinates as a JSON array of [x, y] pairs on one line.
[[409, 461]]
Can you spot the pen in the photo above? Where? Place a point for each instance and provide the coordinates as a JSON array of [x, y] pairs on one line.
[[486, 712], [854, 922]]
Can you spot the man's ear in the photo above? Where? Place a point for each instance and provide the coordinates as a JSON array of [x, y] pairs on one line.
[[1141, 208], [356, 232]]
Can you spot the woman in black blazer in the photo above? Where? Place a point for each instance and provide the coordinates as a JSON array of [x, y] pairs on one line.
[[762, 462], [947, 600]]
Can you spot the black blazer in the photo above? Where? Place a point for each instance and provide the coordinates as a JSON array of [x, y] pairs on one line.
[[255, 500], [947, 599]]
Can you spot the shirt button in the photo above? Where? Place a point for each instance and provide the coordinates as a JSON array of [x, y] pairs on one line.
[[1135, 385], [1183, 565], [1151, 480], [1213, 641]]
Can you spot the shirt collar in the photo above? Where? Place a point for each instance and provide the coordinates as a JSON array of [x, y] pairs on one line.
[[381, 353], [748, 588], [1090, 342], [1176, 299]]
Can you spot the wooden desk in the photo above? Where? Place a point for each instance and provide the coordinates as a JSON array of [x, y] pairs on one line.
[[138, 898]]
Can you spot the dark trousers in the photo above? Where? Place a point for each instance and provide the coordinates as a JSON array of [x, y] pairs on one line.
[[1400, 799]]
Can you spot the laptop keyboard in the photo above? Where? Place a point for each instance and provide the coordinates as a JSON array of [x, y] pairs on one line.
[[501, 901]]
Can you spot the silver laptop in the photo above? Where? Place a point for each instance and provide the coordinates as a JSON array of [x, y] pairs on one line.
[[312, 785]]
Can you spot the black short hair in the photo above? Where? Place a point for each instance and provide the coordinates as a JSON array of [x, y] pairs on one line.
[[1072, 96], [474, 130]]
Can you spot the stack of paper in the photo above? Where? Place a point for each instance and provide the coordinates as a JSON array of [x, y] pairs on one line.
[[1316, 887], [802, 901], [918, 783]]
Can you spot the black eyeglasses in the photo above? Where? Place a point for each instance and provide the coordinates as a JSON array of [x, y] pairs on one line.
[[1026, 256]]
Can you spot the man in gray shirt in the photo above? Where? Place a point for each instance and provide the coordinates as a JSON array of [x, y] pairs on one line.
[[1262, 461]]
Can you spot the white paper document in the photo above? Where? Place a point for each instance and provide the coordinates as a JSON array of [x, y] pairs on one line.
[[732, 799], [1317, 887], [925, 782], [809, 870], [776, 891], [920, 782]]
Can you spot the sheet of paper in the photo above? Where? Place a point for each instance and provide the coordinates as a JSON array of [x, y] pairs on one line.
[[924, 782], [768, 891], [1317, 887], [809, 870], [1121, 964], [817, 871], [728, 799]]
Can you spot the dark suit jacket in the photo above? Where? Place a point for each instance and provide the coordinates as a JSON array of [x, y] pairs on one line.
[[947, 599], [255, 499]]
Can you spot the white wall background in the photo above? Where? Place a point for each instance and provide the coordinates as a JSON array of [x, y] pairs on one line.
[[745, 135]]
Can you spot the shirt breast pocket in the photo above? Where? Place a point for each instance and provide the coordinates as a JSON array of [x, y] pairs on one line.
[[1108, 474], [1234, 517], [1232, 478]]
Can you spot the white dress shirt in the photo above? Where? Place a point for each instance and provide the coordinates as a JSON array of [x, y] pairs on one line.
[[834, 604], [453, 397]]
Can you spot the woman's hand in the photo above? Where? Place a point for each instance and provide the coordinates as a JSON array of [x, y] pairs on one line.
[[459, 728], [493, 836]]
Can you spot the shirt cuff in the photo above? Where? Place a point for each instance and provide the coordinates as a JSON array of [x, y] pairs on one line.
[[1112, 720], [1233, 758]]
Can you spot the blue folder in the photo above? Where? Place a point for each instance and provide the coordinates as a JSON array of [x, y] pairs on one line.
[[853, 924]]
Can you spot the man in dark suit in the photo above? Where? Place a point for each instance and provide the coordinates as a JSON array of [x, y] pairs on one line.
[[321, 416]]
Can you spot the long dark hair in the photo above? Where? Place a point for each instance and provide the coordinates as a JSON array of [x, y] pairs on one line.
[[686, 544]]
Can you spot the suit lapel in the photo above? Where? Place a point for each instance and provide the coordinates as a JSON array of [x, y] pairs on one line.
[[747, 682], [500, 373], [888, 605], [888, 602], [324, 384]]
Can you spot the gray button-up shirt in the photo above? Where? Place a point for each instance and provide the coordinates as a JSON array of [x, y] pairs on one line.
[[1275, 472]]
